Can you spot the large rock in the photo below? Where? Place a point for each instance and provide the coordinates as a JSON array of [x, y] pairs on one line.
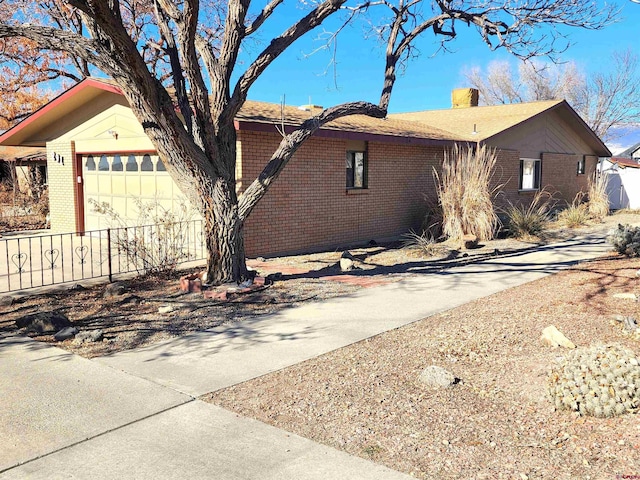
[[554, 338], [43, 322], [437, 377], [6, 301]]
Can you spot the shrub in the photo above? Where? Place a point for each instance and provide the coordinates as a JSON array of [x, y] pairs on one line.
[[625, 240], [464, 193], [425, 243], [576, 214], [157, 240], [530, 220], [601, 381], [598, 198]]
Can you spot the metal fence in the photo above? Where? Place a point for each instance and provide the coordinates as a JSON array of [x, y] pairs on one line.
[[39, 260]]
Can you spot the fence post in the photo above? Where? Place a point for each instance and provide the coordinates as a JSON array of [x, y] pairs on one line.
[[109, 254]]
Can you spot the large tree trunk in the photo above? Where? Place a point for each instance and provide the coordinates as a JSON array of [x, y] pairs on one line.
[[224, 234]]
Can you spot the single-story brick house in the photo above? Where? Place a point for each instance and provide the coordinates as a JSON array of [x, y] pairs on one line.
[[27, 165], [357, 179]]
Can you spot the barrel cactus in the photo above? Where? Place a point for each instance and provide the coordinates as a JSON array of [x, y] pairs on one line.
[[602, 381]]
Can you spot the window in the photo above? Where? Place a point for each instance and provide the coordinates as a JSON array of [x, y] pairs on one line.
[[132, 164], [116, 164], [147, 164], [581, 166], [356, 170], [90, 164], [529, 174], [103, 165]]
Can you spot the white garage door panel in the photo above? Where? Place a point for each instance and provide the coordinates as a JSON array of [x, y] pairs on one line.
[[124, 181]]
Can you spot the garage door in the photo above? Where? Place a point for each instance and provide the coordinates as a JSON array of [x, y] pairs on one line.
[[126, 182]]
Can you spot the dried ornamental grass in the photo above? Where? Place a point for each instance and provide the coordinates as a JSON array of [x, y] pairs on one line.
[[576, 214], [465, 195], [598, 198], [532, 219]]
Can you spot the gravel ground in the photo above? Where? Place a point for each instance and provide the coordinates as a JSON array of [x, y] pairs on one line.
[[498, 422]]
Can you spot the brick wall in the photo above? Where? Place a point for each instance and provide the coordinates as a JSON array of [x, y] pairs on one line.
[[309, 206], [559, 174], [61, 178]]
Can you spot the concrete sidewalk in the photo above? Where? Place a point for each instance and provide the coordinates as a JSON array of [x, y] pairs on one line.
[[210, 360], [134, 415]]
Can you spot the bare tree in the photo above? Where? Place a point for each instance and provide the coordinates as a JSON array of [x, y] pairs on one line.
[[604, 100], [193, 46]]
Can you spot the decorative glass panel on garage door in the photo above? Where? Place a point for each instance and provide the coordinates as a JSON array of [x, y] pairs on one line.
[[123, 181]]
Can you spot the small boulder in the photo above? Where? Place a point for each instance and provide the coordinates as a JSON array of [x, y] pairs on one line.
[[554, 338], [470, 241], [43, 322], [88, 337], [165, 309], [6, 301], [65, 334], [114, 289], [346, 264], [437, 377]]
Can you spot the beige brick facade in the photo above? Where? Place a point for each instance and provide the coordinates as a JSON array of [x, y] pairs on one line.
[[61, 172]]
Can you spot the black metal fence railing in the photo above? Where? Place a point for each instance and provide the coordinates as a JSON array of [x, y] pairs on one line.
[[39, 260]]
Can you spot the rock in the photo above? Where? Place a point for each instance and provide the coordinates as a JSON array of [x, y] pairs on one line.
[[43, 322], [470, 241], [554, 338], [437, 377], [114, 289], [625, 296], [131, 299], [193, 282], [65, 334], [166, 309], [260, 259], [272, 277], [346, 264], [373, 243], [88, 337], [638, 273], [6, 301], [213, 295], [77, 288]]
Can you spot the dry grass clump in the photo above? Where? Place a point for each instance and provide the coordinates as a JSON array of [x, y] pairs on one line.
[[464, 193], [530, 220], [424, 243], [598, 198], [576, 214]]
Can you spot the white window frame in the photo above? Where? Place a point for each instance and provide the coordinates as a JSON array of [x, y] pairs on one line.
[[534, 175], [355, 181]]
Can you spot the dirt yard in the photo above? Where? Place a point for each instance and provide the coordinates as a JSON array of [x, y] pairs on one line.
[[365, 399], [498, 422]]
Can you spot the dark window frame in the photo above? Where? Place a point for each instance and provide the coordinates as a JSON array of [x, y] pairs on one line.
[[350, 165], [582, 166], [537, 174]]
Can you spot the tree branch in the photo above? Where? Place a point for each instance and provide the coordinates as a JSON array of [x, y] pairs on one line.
[[290, 144]]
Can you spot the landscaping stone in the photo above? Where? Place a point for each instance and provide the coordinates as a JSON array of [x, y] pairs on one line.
[[6, 301], [43, 322], [166, 309], [625, 296], [555, 338], [114, 289], [88, 337], [346, 264], [191, 283], [437, 377], [215, 295], [470, 241], [65, 334]]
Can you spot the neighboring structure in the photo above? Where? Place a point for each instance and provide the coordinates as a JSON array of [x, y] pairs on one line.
[[28, 166], [357, 179], [623, 181]]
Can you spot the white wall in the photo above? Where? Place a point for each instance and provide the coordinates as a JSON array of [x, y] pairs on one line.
[[623, 187]]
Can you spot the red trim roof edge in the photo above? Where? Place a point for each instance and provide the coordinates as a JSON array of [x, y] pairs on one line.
[[86, 83]]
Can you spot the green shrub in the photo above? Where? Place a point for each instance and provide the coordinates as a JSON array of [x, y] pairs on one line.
[[625, 240]]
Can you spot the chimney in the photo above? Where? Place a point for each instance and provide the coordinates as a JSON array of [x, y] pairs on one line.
[[464, 97]]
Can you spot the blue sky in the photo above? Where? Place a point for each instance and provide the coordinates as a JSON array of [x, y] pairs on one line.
[[428, 80]]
